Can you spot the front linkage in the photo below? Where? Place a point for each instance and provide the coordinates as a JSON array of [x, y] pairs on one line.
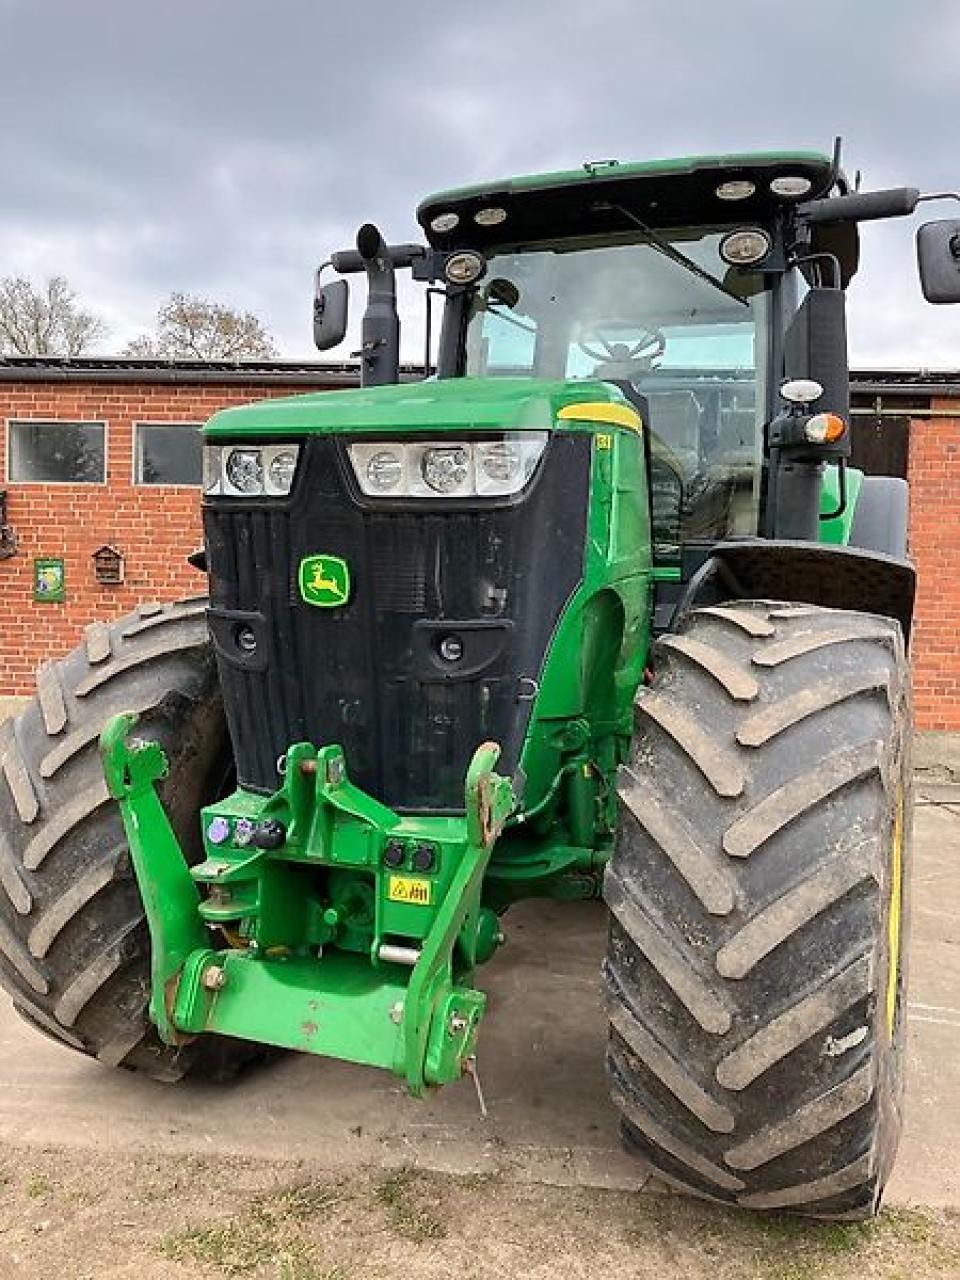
[[374, 967]]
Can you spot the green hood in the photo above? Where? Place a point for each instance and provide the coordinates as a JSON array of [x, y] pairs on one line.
[[451, 404]]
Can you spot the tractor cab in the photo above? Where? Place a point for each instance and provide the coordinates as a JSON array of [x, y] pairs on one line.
[[666, 279], [710, 291]]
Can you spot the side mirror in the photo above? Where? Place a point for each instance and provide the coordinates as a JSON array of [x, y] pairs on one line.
[[330, 313], [938, 260]]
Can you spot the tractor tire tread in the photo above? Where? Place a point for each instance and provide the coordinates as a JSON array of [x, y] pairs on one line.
[[74, 948], [752, 1052]]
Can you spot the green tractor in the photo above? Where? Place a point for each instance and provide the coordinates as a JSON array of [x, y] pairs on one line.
[[597, 608]]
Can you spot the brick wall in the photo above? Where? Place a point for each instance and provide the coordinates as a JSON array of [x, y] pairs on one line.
[[157, 526], [935, 546]]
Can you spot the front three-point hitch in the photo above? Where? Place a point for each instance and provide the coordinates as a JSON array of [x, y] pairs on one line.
[[319, 919]]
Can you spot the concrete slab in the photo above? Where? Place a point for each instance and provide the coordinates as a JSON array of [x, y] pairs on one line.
[[10, 706], [936, 755], [541, 1063]]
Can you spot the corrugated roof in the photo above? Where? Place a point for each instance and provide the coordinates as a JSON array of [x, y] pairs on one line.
[[225, 372], [943, 382], [938, 382]]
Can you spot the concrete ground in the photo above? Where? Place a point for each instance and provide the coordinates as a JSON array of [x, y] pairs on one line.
[[541, 1065]]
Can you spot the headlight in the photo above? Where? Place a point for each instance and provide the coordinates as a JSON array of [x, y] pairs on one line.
[[498, 463], [385, 470], [243, 471], [464, 267], [448, 469], [280, 470], [249, 471], [743, 248], [791, 185]]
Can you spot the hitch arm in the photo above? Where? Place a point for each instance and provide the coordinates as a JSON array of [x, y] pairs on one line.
[[440, 1024], [170, 897]]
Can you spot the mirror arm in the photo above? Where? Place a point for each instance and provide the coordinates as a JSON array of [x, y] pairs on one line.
[[862, 206], [940, 195], [830, 258], [428, 367]]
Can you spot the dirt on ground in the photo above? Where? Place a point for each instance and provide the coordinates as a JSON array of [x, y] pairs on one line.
[[83, 1216]]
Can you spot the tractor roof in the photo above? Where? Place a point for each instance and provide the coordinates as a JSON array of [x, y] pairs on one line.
[[676, 192]]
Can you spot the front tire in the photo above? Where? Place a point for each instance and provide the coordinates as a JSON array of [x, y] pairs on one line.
[[74, 946], [754, 973]]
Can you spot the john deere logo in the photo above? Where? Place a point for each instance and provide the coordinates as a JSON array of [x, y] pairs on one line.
[[324, 581]]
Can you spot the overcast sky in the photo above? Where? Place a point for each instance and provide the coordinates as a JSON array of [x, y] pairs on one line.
[[224, 147]]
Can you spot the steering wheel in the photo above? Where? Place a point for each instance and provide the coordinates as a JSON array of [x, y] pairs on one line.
[[639, 353]]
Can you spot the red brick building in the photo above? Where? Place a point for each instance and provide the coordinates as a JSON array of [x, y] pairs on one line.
[[104, 428]]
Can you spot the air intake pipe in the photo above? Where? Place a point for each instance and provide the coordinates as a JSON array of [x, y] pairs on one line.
[[380, 329]]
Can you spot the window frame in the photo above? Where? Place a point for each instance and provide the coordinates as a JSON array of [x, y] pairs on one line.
[[135, 426], [103, 423]]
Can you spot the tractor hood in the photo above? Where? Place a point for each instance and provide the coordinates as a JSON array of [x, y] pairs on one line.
[[453, 404]]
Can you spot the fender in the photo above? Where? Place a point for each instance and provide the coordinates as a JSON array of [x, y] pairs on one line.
[[835, 577]]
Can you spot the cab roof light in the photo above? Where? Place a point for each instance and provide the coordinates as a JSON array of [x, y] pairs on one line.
[[791, 186], [490, 216], [736, 189], [444, 222], [745, 247]]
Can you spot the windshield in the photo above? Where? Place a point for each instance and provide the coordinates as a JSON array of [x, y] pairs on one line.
[[682, 333]]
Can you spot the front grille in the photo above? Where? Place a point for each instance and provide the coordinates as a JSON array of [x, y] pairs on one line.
[[367, 675]]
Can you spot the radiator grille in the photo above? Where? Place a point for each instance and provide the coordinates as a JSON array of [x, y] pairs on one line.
[[366, 675]]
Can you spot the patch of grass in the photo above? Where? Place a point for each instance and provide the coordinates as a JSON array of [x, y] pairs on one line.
[[301, 1267], [299, 1201], [38, 1186], [265, 1233], [401, 1197], [786, 1248], [910, 1225], [235, 1247], [901, 1244], [796, 1249]]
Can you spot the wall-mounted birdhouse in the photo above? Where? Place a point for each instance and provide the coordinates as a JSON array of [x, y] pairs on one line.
[[108, 566]]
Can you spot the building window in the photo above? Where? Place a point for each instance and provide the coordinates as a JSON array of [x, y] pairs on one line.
[[167, 453], [56, 452]]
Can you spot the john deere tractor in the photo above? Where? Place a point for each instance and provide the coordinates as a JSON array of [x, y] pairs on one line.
[[597, 607]]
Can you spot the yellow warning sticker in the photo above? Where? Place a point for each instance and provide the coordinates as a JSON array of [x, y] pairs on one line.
[[410, 889]]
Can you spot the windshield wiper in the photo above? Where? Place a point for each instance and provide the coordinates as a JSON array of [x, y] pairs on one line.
[[671, 251], [497, 309]]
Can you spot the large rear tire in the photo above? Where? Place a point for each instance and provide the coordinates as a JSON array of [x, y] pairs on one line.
[[74, 947], [755, 970]]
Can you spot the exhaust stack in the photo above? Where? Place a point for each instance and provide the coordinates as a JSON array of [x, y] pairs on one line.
[[380, 330]]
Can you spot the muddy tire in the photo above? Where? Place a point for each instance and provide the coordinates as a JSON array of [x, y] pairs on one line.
[[74, 948], [754, 976]]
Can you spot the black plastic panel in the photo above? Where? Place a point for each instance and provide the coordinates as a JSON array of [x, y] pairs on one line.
[[367, 675], [835, 577]]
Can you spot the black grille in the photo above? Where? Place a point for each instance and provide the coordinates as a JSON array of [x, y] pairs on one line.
[[368, 675]]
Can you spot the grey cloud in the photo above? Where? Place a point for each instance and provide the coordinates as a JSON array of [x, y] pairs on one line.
[[224, 146]]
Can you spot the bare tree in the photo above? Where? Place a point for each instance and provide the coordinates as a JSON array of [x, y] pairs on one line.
[[192, 328], [44, 320]]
